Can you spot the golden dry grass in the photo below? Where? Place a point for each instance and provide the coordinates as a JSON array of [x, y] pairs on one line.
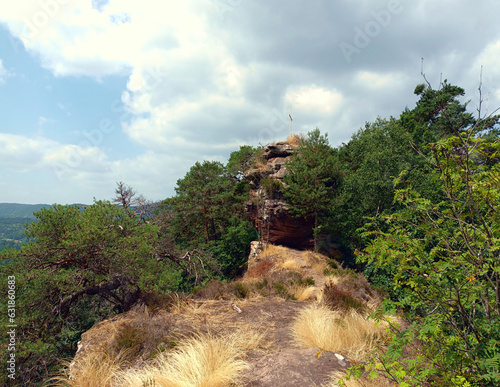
[[350, 333], [292, 267], [303, 293], [204, 360], [274, 250], [295, 139], [198, 359], [217, 358], [98, 369], [290, 264]]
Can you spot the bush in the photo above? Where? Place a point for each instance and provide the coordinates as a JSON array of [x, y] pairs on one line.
[[341, 300], [443, 258]]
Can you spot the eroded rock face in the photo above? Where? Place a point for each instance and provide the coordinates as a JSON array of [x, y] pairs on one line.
[[267, 208]]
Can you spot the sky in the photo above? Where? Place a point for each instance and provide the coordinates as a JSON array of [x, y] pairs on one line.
[[93, 92]]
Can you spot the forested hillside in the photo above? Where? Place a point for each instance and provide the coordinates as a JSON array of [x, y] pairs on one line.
[[13, 217], [12, 232], [412, 201], [16, 210], [13, 220]]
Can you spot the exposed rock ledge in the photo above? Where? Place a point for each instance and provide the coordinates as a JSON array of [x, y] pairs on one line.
[[297, 367], [267, 208]]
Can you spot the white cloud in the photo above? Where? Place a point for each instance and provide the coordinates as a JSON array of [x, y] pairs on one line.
[[314, 99], [488, 61], [177, 69], [374, 80], [23, 154], [205, 77]]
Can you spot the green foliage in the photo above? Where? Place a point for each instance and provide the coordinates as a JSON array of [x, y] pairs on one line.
[[272, 187], [240, 161], [208, 213], [232, 250], [240, 290], [198, 207], [81, 267], [437, 114], [372, 159], [444, 259], [312, 179]]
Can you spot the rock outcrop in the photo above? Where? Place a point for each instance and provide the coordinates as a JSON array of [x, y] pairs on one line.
[[267, 208]]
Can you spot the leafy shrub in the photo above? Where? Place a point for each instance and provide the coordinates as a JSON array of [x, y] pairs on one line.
[[262, 284], [443, 258]]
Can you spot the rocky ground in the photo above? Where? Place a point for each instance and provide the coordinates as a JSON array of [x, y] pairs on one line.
[[278, 284]]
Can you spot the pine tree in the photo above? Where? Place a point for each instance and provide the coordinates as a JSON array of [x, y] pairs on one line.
[[312, 179]]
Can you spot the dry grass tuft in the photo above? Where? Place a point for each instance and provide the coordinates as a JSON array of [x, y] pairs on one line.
[[274, 250], [204, 360], [290, 264], [98, 369], [351, 334], [295, 139], [303, 293]]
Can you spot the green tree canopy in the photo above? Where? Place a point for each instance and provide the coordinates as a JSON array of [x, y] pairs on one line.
[[442, 251], [444, 257], [208, 213], [372, 159], [81, 266], [437, 114], [311, 179]]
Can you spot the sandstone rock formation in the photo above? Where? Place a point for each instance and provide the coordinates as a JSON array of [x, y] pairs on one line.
[[267, 208]]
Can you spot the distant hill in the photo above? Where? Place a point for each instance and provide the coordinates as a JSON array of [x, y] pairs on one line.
[[13, 217], [16, 210]]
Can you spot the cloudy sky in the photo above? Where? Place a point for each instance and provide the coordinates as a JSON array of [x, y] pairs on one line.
[[98, 91]]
